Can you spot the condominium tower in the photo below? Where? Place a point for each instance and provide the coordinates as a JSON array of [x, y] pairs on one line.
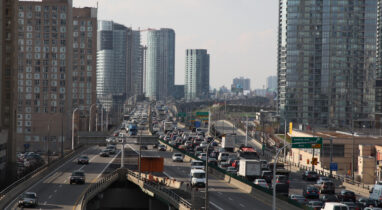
[[160, 64], [197, 74], [242, 82], [326, 62]]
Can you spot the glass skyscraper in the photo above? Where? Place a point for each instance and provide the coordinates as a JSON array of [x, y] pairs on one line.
[[160, 64], [326, 61], [197, 75]]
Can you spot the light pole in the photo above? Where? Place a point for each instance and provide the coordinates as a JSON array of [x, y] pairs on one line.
[[90, 117], [285, 127], [206, 195], [74, 111], [246, 132]]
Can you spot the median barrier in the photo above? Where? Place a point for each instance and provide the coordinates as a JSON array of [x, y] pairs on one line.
[[244, 185], [13, 191]]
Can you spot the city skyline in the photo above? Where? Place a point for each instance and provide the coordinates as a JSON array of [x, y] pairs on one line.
[[250, 50]]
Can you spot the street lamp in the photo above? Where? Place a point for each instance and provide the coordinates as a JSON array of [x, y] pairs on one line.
[[74, 111], [90, 117]]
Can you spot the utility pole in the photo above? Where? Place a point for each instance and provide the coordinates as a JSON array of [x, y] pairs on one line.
[[206, 195], [246, 132], [73, 116], [62, 136], [140, 150], [285, 128]]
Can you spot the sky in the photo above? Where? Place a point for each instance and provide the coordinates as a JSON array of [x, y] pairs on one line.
[[239, 35]]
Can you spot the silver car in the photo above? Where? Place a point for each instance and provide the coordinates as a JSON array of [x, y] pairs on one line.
[[177, 157]]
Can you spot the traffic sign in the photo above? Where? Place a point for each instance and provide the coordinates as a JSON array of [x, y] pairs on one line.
[[314, 161], [333, 166], [307, 142], [202, 114], [182, 114]]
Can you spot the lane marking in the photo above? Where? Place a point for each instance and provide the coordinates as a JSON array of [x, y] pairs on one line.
[[60, 185], [241, 205], [50, 196], [45, 202], [220, 193], [46, 177], [65, 181], [55, 191], [107, 166], [216, 206], [230, 198]]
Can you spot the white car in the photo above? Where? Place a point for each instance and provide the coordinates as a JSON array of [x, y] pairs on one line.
[[261, 183], [202, 156], [177, 157]]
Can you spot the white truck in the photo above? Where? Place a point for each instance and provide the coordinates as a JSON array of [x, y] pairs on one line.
[[198, 178], [168, 126], [228, 142], [250, 169]]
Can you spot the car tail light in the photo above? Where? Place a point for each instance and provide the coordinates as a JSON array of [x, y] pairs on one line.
[[307, 192], [277, 181], [288, 181]]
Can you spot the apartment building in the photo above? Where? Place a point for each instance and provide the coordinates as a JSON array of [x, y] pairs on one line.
[[85, 65]]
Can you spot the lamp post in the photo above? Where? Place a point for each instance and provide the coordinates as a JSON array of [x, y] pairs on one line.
[[90, 117], [74, 111]]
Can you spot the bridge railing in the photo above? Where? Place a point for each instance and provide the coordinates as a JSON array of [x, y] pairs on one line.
[[160, 189]]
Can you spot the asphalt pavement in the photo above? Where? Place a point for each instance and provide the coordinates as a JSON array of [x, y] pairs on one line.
[[54, 190]]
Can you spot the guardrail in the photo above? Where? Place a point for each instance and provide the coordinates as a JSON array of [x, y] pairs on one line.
[[99, 186], [159, 189]]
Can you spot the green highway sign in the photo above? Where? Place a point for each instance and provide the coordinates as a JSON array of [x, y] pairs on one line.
[[182, 114], [201, 113], [307, 142]]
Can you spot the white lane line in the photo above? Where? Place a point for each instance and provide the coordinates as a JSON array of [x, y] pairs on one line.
[[241, 205], [107, 166], [65, 181], [230, 198], [216, 206], [167, 175], [60, 185], [132, 148], [220, 193], [45, 202], [50, 196], [46, 177], [55, 191]]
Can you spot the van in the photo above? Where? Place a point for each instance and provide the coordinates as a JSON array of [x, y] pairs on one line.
[[197, 164], [376, 194], [223, 156], [198, 178], [334, 206]]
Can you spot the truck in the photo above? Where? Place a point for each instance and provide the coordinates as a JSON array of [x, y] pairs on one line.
[[228, 142], [168, 126], [250, 169], [133, 129]]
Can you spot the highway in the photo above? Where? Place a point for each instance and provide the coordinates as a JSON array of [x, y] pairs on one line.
[[54, 190]]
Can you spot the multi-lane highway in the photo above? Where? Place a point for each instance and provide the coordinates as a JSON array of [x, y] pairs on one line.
[[54, 190]]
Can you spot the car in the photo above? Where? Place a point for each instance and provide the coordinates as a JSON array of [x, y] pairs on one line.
[[310, 176], [204, 144], [366, 202], [329, 198], [162, 147], [177, 157], [261, 183], [282, 184], [28, 199], [267, 175], [202, 156], [212, 161], [327, 187], [214, 144], [322, 179], [316, 205], [104, 153], [112, 149], [83, 159], [310, 191], [346, 195], [231, 169], [77, 177], [334, 206], [197, 164], [144, 147], [351, 205], [299, 198], [372, 208]]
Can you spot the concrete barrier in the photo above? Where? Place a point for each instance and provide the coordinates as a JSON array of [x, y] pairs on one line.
[[363, 192], [20, 188]]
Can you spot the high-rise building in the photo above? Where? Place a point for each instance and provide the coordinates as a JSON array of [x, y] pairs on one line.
[[241, 82], [112, 72], [326, 61], [271, 83], [144, 62], [43, 71], [378, 83], [134, 64], [197, 74], [84, 64], [160, 63]]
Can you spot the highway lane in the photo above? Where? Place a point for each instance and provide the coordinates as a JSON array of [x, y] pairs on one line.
[[54, 190]]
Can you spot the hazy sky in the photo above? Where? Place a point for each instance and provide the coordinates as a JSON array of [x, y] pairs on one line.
[[240, 35]]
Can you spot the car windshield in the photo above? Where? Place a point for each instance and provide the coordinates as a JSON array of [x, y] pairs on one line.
[[282, 178], [298, 197], [199, 175], [78, 173], [197, 163], [260, 180], [312, 189], [178, 155], [29, 195], [84, 157], [316, 203], [312, 172], [348, 193]]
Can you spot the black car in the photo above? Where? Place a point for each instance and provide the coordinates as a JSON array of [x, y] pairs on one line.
[[346, 195], [282, 184], [267, 175], [329, 198], [77, 177], [365, 202], [310, 175], [83, 159], [28, 199], [104, 153], [310, 191]]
